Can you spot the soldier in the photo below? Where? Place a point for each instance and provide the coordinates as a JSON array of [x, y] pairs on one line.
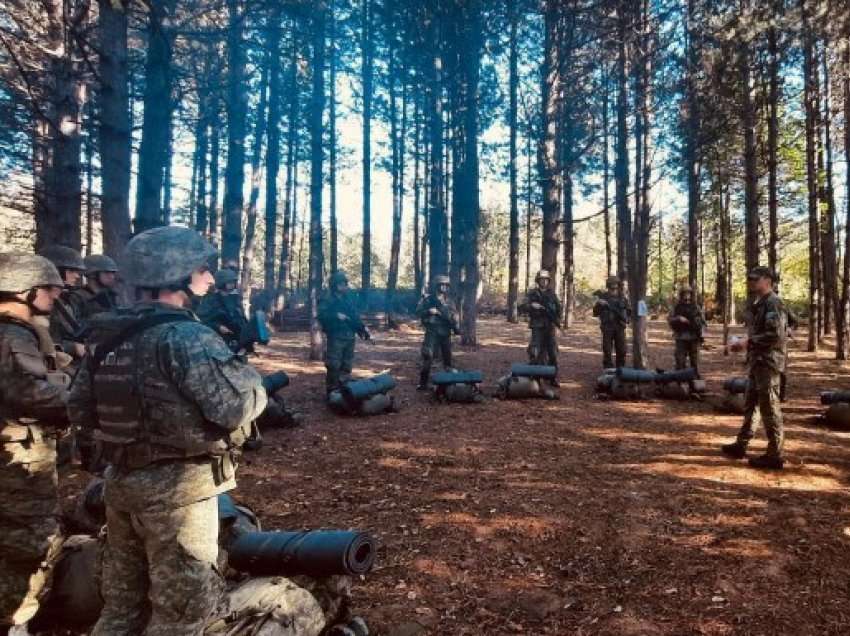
[[765, 347], [169, 406], [687, 322], [65, 326], [98, 294], [221, 310], [438, 315], [544, 316], [33, 396], [613, 312], [340, 322]]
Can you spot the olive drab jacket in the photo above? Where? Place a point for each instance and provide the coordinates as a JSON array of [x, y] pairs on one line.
[[549, 315], [88, 302], [615, 315], [167, 402], [767, 333], [696, 321], [333, 304], [445, 321]]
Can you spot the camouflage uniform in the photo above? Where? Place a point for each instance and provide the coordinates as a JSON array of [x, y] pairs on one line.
[[543, 347], [169, 406], [613, 319], [65, 324], [340, 334], [32, 402], [222, 310], [688, 336], [94, 298], [438, 328], [765, 361]]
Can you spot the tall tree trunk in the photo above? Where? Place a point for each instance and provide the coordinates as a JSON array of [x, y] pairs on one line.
[[513, 240], [438, 245], [528, 207], [156, 124], [215, 144], [606, 166], [842, 322], [256, 172], [273, 149], [417, 198], [88, 152], [621, 162], [692, 144], [397, 146], [317, 108], [811, 108], [551, 174], [368, 71], [827, 207], [202, 148], [166, 178], [234, 171], [773, 148], [748, 122], [332, 140], [285, 263], [115, 126]]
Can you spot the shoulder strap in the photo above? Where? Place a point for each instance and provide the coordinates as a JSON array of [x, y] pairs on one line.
[[131, 331]]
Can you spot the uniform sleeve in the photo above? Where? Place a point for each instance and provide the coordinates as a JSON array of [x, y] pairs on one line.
[[774, 327], [228, 391], [325, 314], [25, 387]]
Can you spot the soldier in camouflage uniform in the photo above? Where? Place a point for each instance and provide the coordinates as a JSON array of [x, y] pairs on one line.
[[66, 328], [98, 294], [341, 323], [687, 322], [33, 395], [221, 310], [438, 316], [544, 311], [613, 311], [168, 406], [765, 346]]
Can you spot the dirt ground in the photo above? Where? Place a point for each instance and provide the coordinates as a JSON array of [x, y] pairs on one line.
[[571, 517]]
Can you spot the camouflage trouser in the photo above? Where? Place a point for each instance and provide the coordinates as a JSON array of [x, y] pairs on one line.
[[339, 357], [762, 404], [30, 538], [613, 339], [687, 351], [159, 575], [543, 346], [434, 342]]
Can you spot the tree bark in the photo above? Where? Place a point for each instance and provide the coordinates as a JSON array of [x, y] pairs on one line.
[[513, 239], [272, 150], [748, 122], [332, 140], [115, 126], [606, 167], [397, 152], [367, 71], [692, 143], [285, 263], [156, 124], [417, 198], [438, 246], [773, 148], [827, 207], [317, 108], [842, 323], [550, 170], [621, 162], [811, 107]]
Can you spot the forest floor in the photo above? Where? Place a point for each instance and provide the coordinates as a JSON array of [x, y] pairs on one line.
[[575, 516]]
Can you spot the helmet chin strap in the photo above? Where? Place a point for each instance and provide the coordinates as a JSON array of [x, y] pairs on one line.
[[30, 302]]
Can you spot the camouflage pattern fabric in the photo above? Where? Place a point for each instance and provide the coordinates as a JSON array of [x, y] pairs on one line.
[[543, 346], [339, 359], [767, 333], [436, 341], [222, 312], [65, 321], [442, 323], [30, 405], [159, 574], [762, 406], [339, 350], [88, 302], [696, 321], [551, 308], [195, 395], [687, 352], [615, 315], [613, 340]]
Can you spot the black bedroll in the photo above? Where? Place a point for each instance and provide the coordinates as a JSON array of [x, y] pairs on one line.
[[359, 390], [274, 382], [736, 386], [834, 397], [679, 375], [445, 378], [533, 371], [636, 376], [315, 553]]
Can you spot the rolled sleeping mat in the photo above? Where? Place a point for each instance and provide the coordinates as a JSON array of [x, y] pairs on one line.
[[465, 393], [445, 378], [834, 397], [603, 383], [314, 553], [736, 385], [679, 375], [734, 403], [636, 376], [338, 404], [519, 370], [359, 390]]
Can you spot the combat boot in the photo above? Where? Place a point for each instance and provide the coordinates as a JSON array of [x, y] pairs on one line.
[[736, 450], [772, 462]]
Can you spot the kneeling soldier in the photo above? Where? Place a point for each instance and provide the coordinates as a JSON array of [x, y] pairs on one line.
[[544, 317], [439, 317], [765, 346], [168, 406], [687, 322]]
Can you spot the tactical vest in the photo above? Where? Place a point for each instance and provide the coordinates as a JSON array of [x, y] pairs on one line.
[[141, 416]]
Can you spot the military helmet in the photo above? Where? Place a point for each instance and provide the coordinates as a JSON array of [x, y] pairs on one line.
[[760, 271], [337, 278], [164, 256], [543, 273], [96, 263], [63, 257], [442, 279], [225, 277], [20, 271], [612, 281]]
